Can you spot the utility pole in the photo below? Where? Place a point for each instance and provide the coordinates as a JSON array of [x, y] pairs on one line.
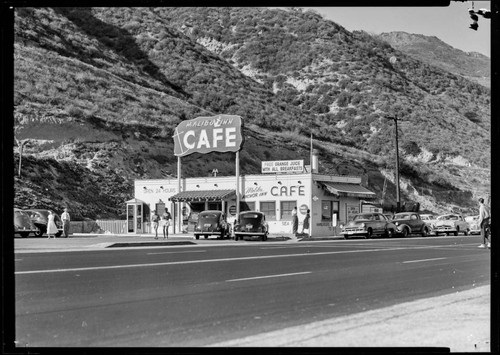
[[398, 200]]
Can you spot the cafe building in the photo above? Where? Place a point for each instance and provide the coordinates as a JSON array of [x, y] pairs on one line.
[[280, 186], [283, 185]]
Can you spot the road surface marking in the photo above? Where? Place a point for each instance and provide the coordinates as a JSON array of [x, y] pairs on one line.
[[215, 260], [178, 252], [268, 276], [422, 260]]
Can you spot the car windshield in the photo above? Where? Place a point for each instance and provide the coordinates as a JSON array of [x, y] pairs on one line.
[[363, 217], [209, 216], [402, 216], [447, 218]]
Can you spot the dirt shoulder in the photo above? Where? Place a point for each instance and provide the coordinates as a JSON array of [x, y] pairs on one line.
[[459, 321]]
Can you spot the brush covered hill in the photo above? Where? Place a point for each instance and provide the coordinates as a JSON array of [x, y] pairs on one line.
[[99, 92]]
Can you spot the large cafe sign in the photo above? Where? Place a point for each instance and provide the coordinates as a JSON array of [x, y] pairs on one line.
[[221, 133]]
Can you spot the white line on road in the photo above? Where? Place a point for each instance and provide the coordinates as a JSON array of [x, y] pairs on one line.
[[219, 260], [268, 276], [178, 252], [421, 261]]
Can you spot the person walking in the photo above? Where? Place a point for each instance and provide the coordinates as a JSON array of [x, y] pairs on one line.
[[51, 226], [166, 217], [305, 225], [484, 221], [65, 217], [295, 221], [155, 219]]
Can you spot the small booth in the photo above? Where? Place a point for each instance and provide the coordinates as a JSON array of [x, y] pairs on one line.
[[135, 216]]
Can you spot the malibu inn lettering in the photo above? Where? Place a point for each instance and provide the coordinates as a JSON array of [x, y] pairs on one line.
[[332, 199]]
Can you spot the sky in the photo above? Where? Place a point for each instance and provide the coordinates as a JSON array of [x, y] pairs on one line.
[[450, 24]]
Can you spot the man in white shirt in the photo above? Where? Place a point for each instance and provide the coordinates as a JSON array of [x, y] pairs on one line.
[[65, 219], [484, 220]]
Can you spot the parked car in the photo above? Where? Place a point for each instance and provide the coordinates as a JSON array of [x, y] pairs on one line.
[[474, 227], [251, 223], [212, 222], [430, 220], [410, 223], [40, 218], [23, 224], [452, 223], [369, 225]]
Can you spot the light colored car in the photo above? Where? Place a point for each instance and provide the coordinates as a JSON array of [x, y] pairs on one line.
[[430, 220], [23, 224], [474, 227], [451, 224], [249, 224], [368, 225]]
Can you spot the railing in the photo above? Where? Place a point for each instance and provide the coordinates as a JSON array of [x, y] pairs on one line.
[[113, 226]]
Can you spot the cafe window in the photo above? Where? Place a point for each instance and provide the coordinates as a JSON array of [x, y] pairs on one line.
[[286, 210], [328, 208], [269, 209]]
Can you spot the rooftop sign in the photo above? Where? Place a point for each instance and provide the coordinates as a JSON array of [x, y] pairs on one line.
[[221, 133], [283, 166]]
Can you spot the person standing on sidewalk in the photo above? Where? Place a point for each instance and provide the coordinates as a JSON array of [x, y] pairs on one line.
[[166, 217], [51, 226], [295, 221], [305, 225], [155, 219], [65, 219], [484, 220]]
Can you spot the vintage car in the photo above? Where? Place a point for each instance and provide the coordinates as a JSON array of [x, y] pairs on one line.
[[212, 222], [410, 223], [474, 227], [368, 225], [431, 220], [40, 218], [451, 224], [23, 224], [249, 224]]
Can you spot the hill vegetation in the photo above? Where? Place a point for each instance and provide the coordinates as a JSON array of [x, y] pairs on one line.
[[99, 91]]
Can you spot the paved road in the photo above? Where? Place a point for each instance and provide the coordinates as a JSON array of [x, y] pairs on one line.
[[205, 294]]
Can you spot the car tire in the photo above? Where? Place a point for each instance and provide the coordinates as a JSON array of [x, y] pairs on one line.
[[24, 234], [197, 236], [40, 232], [389, 233], [369, 233], [58, 234], [466, 232], [405, 232], [206, 236], [455, 233], [425, 232], [346, 237]]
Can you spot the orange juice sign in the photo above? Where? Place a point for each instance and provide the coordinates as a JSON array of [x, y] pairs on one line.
[[221, 133]]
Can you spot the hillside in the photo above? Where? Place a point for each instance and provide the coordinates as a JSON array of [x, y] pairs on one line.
[[99, 91], [433, 51]]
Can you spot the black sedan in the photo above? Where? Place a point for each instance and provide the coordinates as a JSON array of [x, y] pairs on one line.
[[368, 225], [23, 224], [249, 224], [212, 223]]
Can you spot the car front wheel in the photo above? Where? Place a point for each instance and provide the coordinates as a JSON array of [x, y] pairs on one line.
[[40, 232], [405, 232], [369, 233], [425, 232], [389, 233]]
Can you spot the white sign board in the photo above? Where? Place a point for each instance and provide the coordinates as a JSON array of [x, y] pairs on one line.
[[283, 166]]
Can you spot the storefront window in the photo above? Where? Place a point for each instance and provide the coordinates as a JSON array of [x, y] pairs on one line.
[[269, 209], [286, 210], [328, 208]]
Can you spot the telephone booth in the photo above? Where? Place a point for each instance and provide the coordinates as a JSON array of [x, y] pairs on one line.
[[135, 216]]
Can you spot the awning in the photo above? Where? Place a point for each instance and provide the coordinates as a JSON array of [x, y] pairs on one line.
[[203, 195], [345, 189]]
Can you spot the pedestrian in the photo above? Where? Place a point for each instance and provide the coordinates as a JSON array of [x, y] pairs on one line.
[[484, 221], [51, 226], [305, 225], [166, 217], [295, 221], [155, 219], [65, 219]]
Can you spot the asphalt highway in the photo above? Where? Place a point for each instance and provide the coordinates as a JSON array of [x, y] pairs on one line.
[[208, 293]]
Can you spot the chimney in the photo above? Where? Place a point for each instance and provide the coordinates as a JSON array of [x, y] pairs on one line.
[[314, 161]]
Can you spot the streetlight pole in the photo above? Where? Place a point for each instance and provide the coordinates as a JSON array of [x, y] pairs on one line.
[[398, 200]]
